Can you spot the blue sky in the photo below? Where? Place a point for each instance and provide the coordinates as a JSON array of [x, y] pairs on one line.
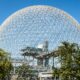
[[7, 7]]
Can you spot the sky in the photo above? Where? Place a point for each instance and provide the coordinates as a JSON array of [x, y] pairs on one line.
[[8, 7]]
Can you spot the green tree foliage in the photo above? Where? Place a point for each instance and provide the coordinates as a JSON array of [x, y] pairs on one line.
[[25, 72], [5, 65], [69, 57]]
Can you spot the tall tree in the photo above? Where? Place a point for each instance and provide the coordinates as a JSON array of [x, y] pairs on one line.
[[5, 65], [25, 72], [66, 53]]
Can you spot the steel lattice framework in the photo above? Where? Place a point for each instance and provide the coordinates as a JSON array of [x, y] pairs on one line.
[[33, 25]]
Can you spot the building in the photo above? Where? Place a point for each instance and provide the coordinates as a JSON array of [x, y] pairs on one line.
[[42, 56]]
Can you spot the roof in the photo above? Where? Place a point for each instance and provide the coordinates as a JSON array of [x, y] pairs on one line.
[[37, 52]]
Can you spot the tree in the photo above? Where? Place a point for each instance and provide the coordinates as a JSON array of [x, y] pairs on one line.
[[25, 72], [5, 65], [69, 56]]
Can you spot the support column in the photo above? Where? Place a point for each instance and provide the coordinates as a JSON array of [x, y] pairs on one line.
[[46, 62], [14, 72], [53, 62], [40, 62], [24, 60]]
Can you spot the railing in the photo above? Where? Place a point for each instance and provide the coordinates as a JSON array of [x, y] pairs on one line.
[[20, 61], [42, 68]]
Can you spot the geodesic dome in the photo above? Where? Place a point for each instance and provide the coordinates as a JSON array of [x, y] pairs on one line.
[[33, 25]]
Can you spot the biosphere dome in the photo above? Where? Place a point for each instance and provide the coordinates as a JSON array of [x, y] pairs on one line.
[[33, 25]]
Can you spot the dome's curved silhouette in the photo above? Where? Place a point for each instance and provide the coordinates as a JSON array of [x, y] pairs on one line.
[[33, 25]]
